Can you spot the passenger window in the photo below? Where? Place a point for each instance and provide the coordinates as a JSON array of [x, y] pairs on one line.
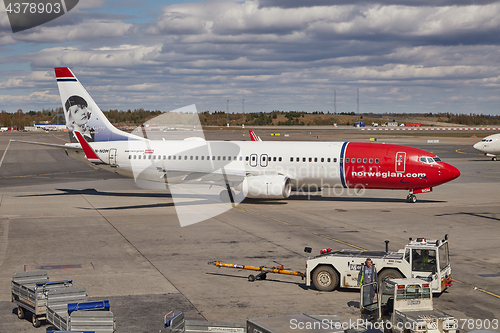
[[291, 159], [223, 158], [279, 159], [139, 156], [135, 157], [334, 160], [129, 157], [322, 159], [310, 159], [353, 160], [298, 159], [174, 157], [347, 160], [213, 158], [229, 158], [376, 160], [203, 158], [241, 158], [196, 158], [149, 157], [218, 158], [185, 157], [371, 160], [154, 157], [263, 158], [246, 158], [253, 158], [191, 158], [359, 160], [315, 159], [164, 157], [364, 160], [303, 159], [274, 159], [169, 157], [328, 160]]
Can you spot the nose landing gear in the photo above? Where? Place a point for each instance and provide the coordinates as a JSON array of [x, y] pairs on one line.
[[411, 198]]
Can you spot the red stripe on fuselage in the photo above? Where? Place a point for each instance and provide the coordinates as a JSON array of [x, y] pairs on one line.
[[386, 166], [63, 72]]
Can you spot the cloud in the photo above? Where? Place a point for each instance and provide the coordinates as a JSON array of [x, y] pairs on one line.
[[274, 53]]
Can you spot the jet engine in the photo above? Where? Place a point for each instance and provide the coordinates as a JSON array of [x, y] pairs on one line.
[[265, 187]]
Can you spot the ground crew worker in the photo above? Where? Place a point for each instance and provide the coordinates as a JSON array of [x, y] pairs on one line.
[[368, 274]]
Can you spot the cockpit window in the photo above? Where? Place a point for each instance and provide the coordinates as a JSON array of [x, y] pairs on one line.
[[430, 160]]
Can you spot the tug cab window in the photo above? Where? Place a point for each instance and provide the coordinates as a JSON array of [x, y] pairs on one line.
[[423, 260]]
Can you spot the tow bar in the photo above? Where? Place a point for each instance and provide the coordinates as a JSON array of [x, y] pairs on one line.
[[279, 269]]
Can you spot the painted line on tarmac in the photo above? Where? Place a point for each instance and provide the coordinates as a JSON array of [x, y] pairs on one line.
[[479, 289], [5, 152], [59, 138], [282, 222], [462, 152], [295, 226]]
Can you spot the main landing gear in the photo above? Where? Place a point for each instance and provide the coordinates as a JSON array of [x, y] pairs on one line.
[[411, 198]]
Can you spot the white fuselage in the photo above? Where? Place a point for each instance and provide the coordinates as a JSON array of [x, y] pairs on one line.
[[314, 163], [490, 145]]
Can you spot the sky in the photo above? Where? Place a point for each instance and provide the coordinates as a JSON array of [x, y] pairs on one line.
[[405, 56]]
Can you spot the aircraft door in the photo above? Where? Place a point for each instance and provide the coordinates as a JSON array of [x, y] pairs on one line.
[[264, 160], [400, 161], [253, 160], [112, 156], [369, 303]]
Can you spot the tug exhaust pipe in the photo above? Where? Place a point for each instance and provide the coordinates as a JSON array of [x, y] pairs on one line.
[[386, 246]]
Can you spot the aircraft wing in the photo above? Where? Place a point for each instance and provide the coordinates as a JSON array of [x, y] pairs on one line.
[[55, 145]]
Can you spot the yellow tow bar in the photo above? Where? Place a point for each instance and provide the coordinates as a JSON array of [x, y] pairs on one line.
[[262, 269]]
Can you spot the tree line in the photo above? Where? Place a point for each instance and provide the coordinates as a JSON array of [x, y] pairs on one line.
[[136, 117]]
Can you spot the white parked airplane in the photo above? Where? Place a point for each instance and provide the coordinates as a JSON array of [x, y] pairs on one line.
[[258, 169], [490, 146]]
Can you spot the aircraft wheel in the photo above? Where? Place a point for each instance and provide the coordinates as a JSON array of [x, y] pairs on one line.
[[493, 158], [20, 312], [251, 278], [411, 198]]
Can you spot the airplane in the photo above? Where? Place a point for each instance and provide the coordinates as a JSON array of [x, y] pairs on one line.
[[490, 146], [259, 170], [253, 136]]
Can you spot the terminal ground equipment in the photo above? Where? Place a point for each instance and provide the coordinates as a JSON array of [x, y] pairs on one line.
[[420, 258], [404, 305], [61, 304], [263, 270], [330, 270]]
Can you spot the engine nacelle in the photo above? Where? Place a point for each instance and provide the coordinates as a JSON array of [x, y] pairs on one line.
[[266, 187]]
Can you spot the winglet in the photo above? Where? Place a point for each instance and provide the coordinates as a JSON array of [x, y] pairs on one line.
[[253, 136], [89, 152]]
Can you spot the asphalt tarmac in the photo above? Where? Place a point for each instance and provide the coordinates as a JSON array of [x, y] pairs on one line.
[[124, 243]]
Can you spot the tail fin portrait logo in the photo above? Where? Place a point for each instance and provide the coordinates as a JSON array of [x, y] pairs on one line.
[[26, 14]]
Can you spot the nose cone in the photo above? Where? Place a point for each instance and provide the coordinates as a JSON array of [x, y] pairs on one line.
[[450, 172], [478, 146]]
